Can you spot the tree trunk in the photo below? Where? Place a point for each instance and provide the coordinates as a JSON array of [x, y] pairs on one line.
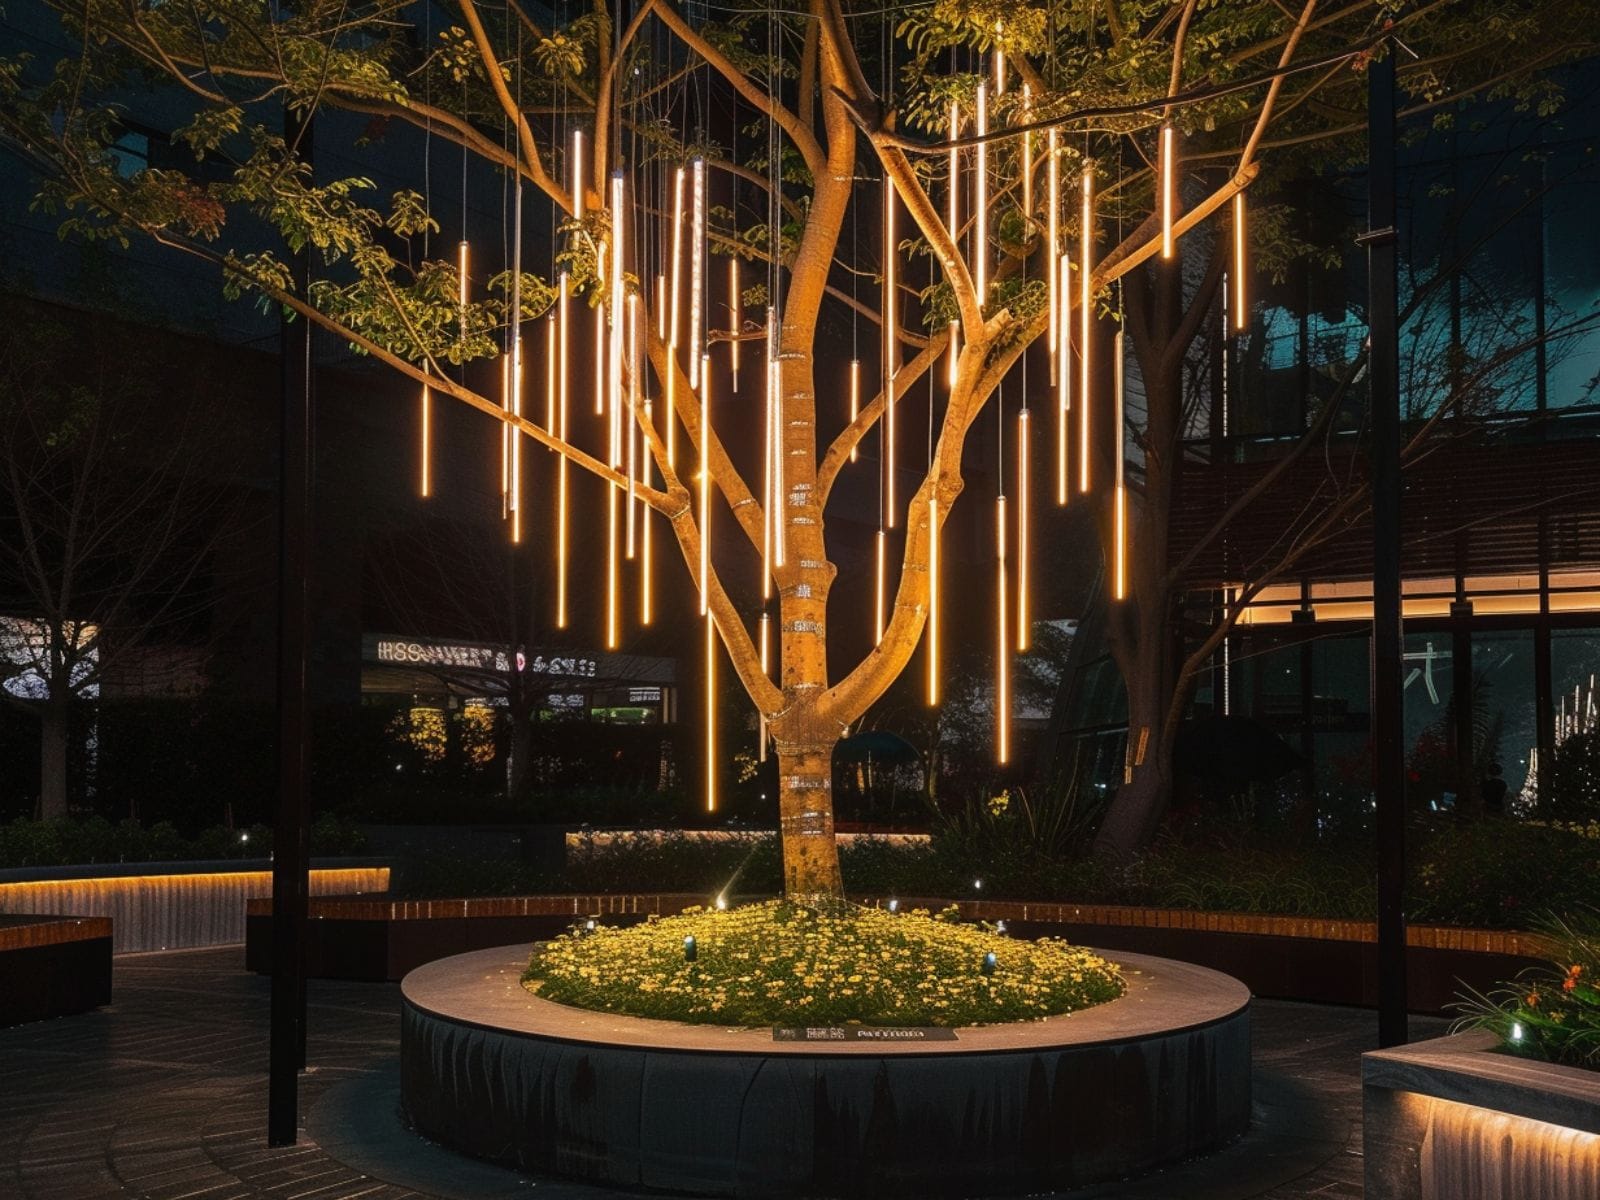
[[805, 820], [1141, 799], [519, 751], [53, 732]]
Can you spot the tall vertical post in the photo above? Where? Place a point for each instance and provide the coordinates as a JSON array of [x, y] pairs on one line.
[[1388, 724], [290, 882]]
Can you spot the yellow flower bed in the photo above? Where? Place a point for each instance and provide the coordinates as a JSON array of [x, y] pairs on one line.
[[777, 963]]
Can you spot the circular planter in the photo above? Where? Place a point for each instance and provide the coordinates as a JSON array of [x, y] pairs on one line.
[[1161, 1074]]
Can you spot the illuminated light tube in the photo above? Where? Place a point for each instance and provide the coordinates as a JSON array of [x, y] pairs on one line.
[[550, 375], [612, 598], [1024, 503], [563, 387], [705, 488], [880, 552], [855, 402], [1168, 190], [616, 310], [1052, 237], [953, 362], [600, 353], [461, 276], [890, 347], [761, 717], [980, 207], [505, 431], [425, 482], [711, 714], [1120, 566], [1002, 677], [1240, 313], [697, 269], [661, 307], [646, 597], [780, 531], [633, 419], [576, 182], [1085, 317], [516, 440], [999, 72], [735, 307], [769, 474], [933, 601], [1063, 352], [674, 304]]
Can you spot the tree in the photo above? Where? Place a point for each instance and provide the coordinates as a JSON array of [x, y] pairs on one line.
[[107, 518], [1106, 77]]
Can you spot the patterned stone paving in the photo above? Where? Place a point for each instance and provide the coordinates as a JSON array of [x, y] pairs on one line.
[[162, 1096]]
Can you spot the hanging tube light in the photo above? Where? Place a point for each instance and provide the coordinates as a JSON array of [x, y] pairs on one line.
[[616, 310], [766, 670], [550, 374], [1024, 503], [461, 287], [1063, 353], [880, 557], [1002, 677], [705, 493], [646, 566], [855, 402], [697, 268], [891, 345], [1241, 317], [1120, 567], [425, 482], [511, 433], [1052, 238], [1085, 316], [933, 601], [954, 351], [632, 423], [563, 385], [711, 712], [980, 207], [1169, 188], [505, 431], [676, 290], [780, 531], [1027, 159], [735, 308]]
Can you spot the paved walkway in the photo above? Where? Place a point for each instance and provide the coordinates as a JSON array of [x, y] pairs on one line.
[[163, 1096]]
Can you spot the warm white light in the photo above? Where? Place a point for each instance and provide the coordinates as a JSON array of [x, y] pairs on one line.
[[1002, 658], [735, 320], [1052, 238], [769, 475], [711, 713], [1240, 312], [766, 670], [697, 268], [646, 600], [1120, 569], [980, 207], [576, 180], [564, 380], [1027, 160], [550, 374], [1085, 314], [880, 556], [855, 401], [676, 290], [933, 601], [461, 277], [891, 345], [600, 351], [1168, 190], [515, 497], [954, 218], [1063, 355], [705, 489], [1024, 502], [612, 597], [615, 311], [426, 421], [632, 419], [780, 530]]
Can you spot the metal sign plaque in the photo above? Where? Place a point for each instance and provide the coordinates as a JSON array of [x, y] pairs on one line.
[[864, 1033]]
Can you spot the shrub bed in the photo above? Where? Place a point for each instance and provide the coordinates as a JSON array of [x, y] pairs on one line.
[[777, 963]]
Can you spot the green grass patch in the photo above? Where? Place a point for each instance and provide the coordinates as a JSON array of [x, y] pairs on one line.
[[783, 964]]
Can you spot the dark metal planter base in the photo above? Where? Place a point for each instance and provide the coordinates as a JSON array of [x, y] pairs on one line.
[[1160, 1075]]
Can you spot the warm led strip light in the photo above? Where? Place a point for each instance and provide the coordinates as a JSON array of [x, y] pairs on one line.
[[780, 531], [880, 553], [954, 351], [1120, 567], [855, 402], [632, 425], [697, 270], [711, 714], [1240, 313], [1002, 680], [705, 492], [1063, 353], [676, 290], [1085, 315], [563, 386], [980, 207], [933, 601], [1168, 190], [735, 321], [1024, 503], [766, 670], [461, 276], [1052, 238], [891, 343], [1027, 159], [426, 417], [646, 599]]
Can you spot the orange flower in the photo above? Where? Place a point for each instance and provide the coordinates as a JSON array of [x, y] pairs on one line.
[[1533, 999], [1571, 981]]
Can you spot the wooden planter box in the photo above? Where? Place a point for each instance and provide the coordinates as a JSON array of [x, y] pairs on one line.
[[1455, 1119], [52, 967]]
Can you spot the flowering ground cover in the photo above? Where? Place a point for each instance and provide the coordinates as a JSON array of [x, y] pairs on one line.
[[778, 963]]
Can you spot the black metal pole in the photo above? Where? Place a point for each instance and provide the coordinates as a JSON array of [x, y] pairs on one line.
[[1388, 714], [290, 881]]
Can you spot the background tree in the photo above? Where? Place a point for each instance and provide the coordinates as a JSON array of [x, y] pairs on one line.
[[108, 520], [837, 97]]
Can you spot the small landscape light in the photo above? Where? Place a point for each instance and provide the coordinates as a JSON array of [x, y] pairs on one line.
[[894, 906], [244, 837], [999, 926], [589, 925], [977, 885], [722, 902], [1516, 1031], [690, 951], [989, 963]]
